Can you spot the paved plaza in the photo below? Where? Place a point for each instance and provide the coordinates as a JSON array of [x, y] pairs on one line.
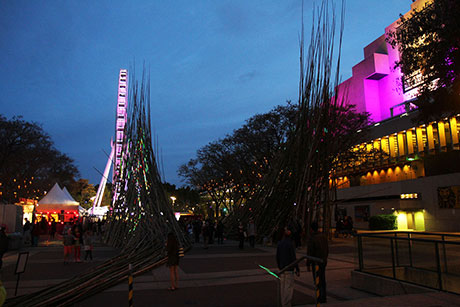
[[221, 275]]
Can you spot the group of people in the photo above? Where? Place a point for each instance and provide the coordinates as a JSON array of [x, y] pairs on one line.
[[249, 232], [74, 238], [33, 231], [344, 227], [317, 247], [208, 229]]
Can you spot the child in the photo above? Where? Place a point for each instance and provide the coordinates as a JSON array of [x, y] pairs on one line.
[[88, 244]]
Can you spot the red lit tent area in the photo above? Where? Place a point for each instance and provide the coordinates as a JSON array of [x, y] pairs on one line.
[[59, 205]]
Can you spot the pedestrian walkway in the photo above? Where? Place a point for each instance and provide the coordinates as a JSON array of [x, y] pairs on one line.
[[221, 275]]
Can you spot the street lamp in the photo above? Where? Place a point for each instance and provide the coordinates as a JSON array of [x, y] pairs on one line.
[[173, 198]]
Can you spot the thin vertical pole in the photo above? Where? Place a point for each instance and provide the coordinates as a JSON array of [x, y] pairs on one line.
[[396, 249], [17, 285], [438, 265], [130, 282], [316, 268], [393, 258], [279, 291], [360, 253], [410, 248], [445, 254]]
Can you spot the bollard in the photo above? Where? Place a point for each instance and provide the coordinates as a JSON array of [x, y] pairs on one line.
[[130, 282], [317, 282]]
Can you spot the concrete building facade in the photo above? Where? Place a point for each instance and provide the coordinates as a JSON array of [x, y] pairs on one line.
[[412, 170]]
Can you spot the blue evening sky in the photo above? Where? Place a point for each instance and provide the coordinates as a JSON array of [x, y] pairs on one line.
[[213, 64]]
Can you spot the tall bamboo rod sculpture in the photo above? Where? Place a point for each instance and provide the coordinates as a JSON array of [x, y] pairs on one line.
[[138, 223], [299, 185]]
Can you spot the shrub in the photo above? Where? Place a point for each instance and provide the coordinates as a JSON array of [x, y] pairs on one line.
[[382, 222]]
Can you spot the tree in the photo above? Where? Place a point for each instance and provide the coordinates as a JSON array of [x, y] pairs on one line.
[[428, 41], [82, 191], [230, 170], [29, 163], [184, 199]]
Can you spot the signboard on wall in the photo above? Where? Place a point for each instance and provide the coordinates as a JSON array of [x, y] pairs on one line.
[[449, 197], [362, 213]]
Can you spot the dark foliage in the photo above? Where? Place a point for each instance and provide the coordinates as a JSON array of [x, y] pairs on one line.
[[230, 171], [185, 197], [382, 222], [29, 162], [429, 44]]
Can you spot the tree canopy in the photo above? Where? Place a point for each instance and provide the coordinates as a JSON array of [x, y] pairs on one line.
[[429, 44], [29, 162], [83, 191], [230, 170]]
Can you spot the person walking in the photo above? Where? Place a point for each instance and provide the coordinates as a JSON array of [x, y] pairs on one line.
[[211, 231], [77, 244], [197, 230], [35, 234], [88, 245], [252, 233], [172, 250], [241, 235], [26, 229], [220, 232], [318, 246], [205, 230], [52, 229], [285, 255], [68, 241]]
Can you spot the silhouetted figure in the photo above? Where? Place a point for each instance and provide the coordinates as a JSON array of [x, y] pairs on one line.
[[172, 249], [88, 244], [197, 230], [205, 231], [318, 247], [285, 255], [241, 235], [68, 241], [211, 231], [251, 231], [220, 232], [35, 234], [27, 232], [52, 229]]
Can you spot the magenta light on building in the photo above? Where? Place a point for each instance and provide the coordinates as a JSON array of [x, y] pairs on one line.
[[376, 85]]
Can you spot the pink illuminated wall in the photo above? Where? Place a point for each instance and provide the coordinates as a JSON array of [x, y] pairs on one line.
[[376, 85]]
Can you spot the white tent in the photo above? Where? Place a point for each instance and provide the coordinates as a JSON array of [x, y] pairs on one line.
[[67, 193], [57, 200]]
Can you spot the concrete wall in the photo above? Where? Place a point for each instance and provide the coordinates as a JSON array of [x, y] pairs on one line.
[[436, 219]]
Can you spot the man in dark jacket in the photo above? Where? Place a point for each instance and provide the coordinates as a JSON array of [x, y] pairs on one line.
[[285, 255], [317, 246]]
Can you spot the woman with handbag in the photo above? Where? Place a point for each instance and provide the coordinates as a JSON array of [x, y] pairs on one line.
[[172, 249]]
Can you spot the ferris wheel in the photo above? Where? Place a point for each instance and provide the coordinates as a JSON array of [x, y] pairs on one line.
[[116, 153]]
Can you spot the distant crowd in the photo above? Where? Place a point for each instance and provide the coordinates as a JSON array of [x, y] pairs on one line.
[[76, 235]]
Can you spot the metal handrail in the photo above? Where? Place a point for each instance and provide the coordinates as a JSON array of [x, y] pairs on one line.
[[438, 243], [409, 239], [294, 263], [412, 232], [291, 265]]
